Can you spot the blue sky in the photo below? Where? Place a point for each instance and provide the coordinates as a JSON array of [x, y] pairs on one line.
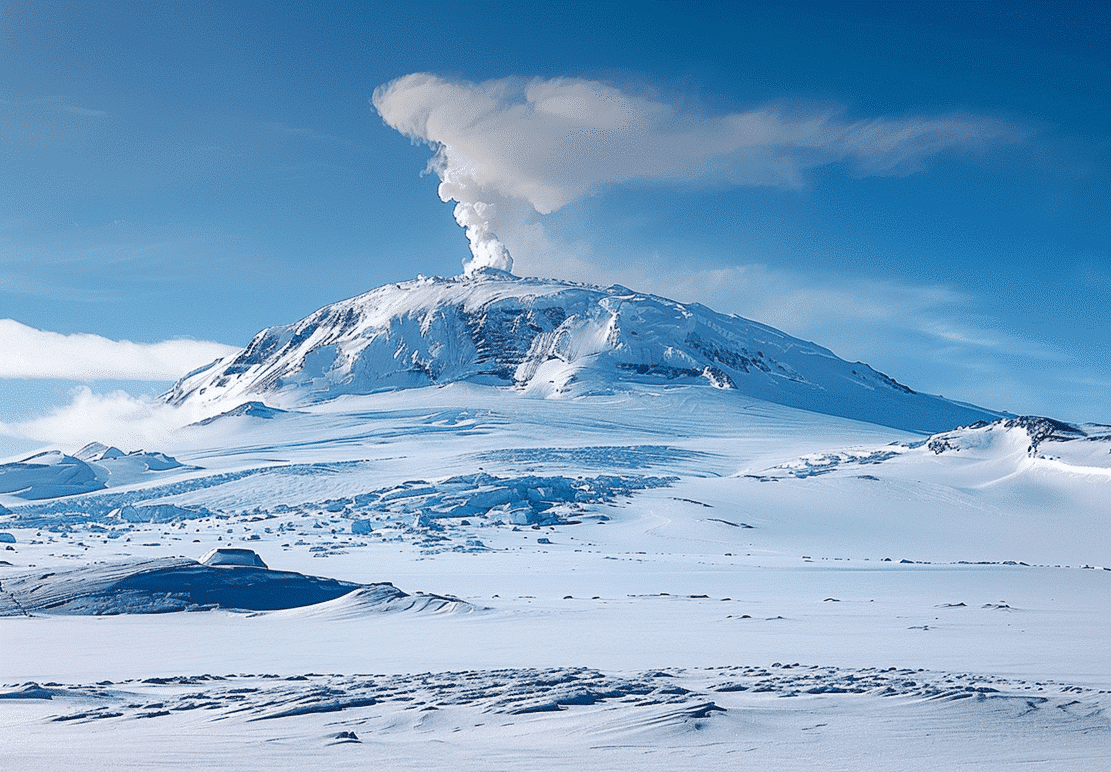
[[929, 192]]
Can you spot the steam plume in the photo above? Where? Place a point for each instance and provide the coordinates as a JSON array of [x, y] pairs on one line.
[[549, 142]]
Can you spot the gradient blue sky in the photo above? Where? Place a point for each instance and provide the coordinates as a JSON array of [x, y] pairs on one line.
[[203, 170]]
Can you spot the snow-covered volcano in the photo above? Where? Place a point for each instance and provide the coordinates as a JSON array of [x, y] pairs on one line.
[[654, 569], [549, 338]]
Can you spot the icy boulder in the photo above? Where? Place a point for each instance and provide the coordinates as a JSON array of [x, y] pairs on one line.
[[224, 556], [6, 538]]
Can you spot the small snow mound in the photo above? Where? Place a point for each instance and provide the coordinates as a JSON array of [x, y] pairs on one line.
[[1038, 430], [227, 556], [154, 460], [29, 691], [163, 585], [378, 598], [252, 409]]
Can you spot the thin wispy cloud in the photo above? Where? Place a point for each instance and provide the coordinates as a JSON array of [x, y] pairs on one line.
[[86, 112], [933, 337], [70, 265], [302, 132], [26, 352], [549, 142], [64, 104], [821, 308]]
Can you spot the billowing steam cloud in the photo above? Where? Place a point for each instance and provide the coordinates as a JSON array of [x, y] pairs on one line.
[[550, 142]]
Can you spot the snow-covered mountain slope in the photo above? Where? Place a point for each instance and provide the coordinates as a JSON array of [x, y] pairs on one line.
[[549, 338]]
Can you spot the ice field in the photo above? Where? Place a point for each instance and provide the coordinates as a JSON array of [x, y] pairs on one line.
[[653, 580]]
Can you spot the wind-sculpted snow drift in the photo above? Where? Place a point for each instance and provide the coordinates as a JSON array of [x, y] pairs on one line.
[[780, 716], [549, 338], [180, 584]]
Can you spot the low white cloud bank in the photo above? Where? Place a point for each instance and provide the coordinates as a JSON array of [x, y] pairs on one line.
[[115, 418], [26, 352], [507, 148]]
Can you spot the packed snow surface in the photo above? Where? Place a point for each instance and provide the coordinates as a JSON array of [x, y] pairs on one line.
[[646, 571]]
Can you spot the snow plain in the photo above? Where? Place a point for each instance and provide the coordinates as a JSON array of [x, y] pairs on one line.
[[657, 578]]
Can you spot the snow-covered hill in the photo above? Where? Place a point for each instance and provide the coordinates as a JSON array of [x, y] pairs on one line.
[[549, 338], [52, 473]]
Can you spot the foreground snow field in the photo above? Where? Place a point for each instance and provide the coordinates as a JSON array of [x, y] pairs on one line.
[[586, 529], [661, 578]]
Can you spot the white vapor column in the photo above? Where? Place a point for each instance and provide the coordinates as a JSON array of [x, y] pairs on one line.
[[510, 148]]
